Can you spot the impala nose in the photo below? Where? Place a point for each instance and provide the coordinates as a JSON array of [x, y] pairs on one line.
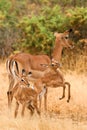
[[28, 85], [72, 46], [52, 64]]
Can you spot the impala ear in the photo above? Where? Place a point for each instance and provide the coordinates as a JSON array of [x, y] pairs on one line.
[[55, 34], [70, 30], [23, 72], [30, 73]]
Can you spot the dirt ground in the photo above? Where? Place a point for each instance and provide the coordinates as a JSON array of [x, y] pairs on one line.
[[60, 115]]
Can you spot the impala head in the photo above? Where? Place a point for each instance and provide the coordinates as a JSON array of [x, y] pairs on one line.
[[23, 79], [64, 39], [52, 65]]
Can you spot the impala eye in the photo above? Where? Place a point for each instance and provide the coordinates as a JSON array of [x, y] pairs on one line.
[[52, 64], [22, 80], [67, 36]]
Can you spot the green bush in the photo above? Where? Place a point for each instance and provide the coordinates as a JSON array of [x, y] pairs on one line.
[[29, 26], [38, 31], [78, 21]]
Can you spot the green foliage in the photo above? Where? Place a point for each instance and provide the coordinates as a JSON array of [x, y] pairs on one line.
[[78, 20], [29, 25], [5, 6], [78, 16], [8, 31], [38, 30]]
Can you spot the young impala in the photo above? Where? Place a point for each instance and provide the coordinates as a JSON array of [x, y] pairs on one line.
[[24, 95]]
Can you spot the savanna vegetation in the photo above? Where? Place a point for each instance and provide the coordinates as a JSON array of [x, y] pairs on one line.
[[28, 26]]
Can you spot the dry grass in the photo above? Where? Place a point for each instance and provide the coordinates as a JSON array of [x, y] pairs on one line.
[[60, 116], [75, 62]]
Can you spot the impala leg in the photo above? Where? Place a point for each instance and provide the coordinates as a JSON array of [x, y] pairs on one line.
[[9, 93], [45, 100], [16, 109], [10, 97], [30, 107], [69, 94], [40, 100], [11, 84], [63, 92], [23, 109], [37, 109]]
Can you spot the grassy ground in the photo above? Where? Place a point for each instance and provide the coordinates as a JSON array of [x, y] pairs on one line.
[[60, 116]]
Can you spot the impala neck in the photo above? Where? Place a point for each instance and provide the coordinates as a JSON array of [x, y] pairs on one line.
[[57, 52], [15, 88]]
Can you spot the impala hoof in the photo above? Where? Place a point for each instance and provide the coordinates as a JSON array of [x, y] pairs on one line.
[[61, 98], [67, 101]]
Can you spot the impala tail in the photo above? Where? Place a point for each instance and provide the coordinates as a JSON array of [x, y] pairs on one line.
[[11, 67], [69, 94]]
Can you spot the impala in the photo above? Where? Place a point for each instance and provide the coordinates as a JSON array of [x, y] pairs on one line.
[[24, 95], [33, 62], [51, 78]]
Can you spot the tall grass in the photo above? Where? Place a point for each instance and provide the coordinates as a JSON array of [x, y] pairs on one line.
[[75, 62], [60, 115]]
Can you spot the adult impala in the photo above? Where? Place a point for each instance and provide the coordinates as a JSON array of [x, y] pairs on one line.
[[33, 62]]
